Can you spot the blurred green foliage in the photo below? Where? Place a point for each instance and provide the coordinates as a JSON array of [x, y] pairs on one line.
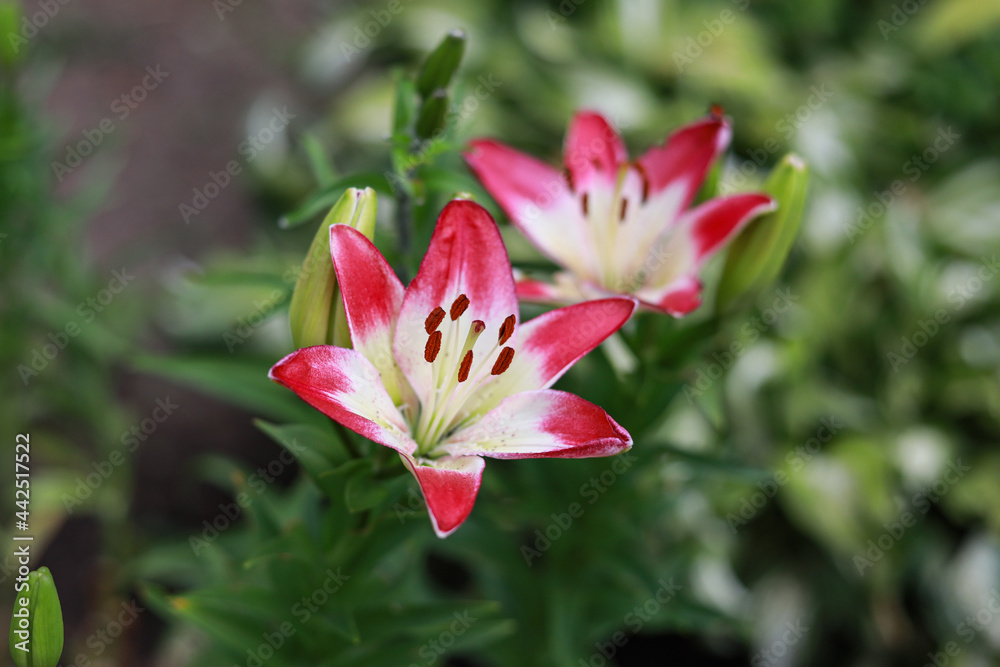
[[58, 352]]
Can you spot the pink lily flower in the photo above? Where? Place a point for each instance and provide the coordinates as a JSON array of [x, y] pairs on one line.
[[444, 372], [615, 226]]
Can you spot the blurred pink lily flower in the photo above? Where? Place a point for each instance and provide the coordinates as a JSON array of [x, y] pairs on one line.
[[615, 226], [443, 372]]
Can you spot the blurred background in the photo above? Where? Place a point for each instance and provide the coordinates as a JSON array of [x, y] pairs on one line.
[[827, 493]]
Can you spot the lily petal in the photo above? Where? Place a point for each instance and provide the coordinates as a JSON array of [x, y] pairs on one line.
[[679, 298], [343, 385], [716, 221], [372, 297], [674, 287], [562, 290], [541, 424], [536, 291], [450, 485], [686, 157], [548, 345], [537, 200], [593, 151], [466, 257]]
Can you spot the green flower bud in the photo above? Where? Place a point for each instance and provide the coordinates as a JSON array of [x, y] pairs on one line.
[[441, 64], [758, 253], [316, 313], [36, 628], [433, 113]]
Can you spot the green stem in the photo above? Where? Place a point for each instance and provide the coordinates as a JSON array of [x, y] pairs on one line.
[[404, 227]]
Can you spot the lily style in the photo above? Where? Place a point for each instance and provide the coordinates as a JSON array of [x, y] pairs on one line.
[[617, 226], [445, 373]]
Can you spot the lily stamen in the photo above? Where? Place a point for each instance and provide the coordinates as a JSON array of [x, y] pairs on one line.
[[463, 370], [434, 320], [432, 347], [459, 306], [506, 329], [503, 361]]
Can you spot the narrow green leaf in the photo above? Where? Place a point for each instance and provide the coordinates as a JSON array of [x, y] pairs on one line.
[[239, 379], [322, 168], [306, 440], [324, 199]]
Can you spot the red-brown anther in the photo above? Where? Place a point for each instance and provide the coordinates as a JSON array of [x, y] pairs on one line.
[[459, 306], [645, 180], [463, 370], [506, 329], [621, 213], [717, 111], [432, 347], [568, 177], [433, 320], [503, 361], [584, 203]]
